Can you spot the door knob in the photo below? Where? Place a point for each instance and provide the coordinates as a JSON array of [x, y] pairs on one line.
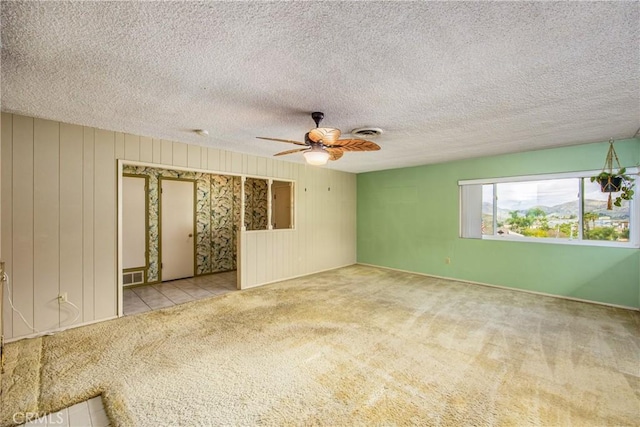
[[190, 235]]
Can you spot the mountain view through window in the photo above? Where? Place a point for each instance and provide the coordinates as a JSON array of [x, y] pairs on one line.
[[553, 208]]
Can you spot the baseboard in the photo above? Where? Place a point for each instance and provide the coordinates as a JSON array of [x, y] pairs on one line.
[[297, 276], [60, 329], [138, 285], [63, 328], [54, 331], [471, 282], [212, 273]]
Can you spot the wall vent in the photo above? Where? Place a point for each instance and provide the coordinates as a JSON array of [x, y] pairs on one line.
[[133, 278]]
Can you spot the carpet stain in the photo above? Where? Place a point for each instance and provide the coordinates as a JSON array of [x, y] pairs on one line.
[[353, 346]]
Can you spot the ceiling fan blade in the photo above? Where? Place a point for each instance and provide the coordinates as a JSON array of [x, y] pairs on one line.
[[328, 136], [282, 140], [335, 153], [355, 145], [282, 153]]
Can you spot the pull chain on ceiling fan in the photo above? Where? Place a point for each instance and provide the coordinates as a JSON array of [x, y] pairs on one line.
[[323, 144]]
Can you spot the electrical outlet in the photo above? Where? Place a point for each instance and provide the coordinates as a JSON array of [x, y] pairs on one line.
[[447, 260], [62, 297]]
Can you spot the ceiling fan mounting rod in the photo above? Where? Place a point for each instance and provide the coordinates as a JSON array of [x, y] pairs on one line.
[[317, 117]]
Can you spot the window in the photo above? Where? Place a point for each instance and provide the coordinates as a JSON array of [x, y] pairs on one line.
[[268, 205], [601, 224], [281, 205], [559, 208]]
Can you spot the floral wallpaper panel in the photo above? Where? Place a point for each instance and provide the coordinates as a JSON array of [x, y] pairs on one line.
[[256, 202], [217, 216]]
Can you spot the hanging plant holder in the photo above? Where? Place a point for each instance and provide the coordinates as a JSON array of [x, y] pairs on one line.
[[614, 182]]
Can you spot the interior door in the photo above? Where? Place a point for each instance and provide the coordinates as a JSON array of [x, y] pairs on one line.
[[177, 229]]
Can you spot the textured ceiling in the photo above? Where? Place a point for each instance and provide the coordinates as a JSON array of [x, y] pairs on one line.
[[444, 80]]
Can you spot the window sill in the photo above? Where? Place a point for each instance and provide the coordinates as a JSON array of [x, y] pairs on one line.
[[270, 231], [571, 242]]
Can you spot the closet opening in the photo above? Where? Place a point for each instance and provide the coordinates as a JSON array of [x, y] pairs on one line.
[[179, 236]]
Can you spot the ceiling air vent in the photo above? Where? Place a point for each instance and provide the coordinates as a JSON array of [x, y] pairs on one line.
[[366, 132]]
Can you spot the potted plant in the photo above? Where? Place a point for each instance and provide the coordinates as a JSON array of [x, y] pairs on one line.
[[614, 181]]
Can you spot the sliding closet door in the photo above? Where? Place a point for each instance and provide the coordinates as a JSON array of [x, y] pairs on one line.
[[177, 229]]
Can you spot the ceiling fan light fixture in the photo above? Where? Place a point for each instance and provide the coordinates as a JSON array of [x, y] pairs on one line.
[[323, 144], [317, 156]]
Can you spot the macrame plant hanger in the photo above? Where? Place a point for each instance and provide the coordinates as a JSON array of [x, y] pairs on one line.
[[608, 167]]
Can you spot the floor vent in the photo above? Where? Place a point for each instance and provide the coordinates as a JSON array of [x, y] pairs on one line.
[[133, 278]]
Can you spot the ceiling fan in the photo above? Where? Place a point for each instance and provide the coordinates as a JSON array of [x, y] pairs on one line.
[[322, 144]]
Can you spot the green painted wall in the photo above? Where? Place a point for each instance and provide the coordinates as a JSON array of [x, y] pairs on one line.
[[408, 219]]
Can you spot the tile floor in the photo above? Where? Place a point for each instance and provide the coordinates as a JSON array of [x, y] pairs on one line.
[[89, 413], [151, 297]]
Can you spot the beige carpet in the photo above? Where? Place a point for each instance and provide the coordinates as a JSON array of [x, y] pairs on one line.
[[354, 346]]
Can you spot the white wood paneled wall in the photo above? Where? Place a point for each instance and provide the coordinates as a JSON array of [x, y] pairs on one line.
[[325, 228], [59, 217]]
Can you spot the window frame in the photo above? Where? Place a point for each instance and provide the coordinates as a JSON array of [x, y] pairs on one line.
[[634, 210], [294, 201]]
